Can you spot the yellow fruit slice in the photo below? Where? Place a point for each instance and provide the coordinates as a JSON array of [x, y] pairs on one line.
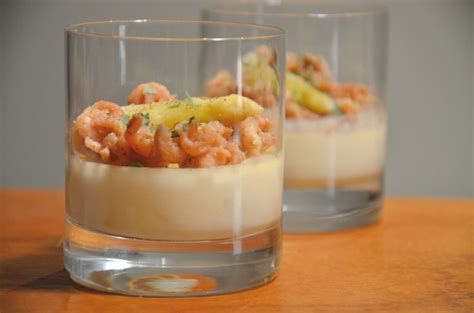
[[228, 110], [306, 95]]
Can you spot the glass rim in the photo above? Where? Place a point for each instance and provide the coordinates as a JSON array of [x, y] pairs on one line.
[[73, 29], [371, 9]]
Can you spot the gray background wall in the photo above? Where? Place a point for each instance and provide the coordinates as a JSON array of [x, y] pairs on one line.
[[430, 90]]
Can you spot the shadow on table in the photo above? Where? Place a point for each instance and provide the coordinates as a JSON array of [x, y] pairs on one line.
[[42, 272]]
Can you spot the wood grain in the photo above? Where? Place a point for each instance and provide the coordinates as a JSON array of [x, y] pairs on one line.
[[420, 258]]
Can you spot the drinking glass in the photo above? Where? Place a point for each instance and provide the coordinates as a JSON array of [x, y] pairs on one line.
[[172, 189], [335, 126]]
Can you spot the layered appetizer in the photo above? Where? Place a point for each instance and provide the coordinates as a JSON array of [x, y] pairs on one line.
[[162, 168], [334, 132]]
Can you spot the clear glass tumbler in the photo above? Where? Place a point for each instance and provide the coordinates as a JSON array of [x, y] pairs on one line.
[[335, 126], [173, 188]]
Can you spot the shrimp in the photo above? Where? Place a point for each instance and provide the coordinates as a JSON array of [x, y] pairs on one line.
[[255, 135], [100, 119], [266, 53], [296, 111], [230, 153], [209, 145], [168, 147], [348, 106], [148, 93], [260, 92], [198, 140], [294, 63], [236, 155], [355, 92], [214, 157], [140, 137], [222, 84], [318, 66], [96, 123], [118, 148]]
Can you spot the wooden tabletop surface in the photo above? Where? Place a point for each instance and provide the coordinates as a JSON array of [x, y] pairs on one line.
[[420, 258]]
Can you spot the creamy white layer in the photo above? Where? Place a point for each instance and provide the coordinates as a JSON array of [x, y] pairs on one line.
[[334, 150], [176, 204]]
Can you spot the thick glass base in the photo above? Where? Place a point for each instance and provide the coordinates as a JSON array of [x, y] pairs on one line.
[[317, 210], [170, 269]]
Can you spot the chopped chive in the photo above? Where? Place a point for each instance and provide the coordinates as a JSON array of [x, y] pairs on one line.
[[136, 164], [126, 120], [186, 127], [174, 133], [174, 106], [145, 119]]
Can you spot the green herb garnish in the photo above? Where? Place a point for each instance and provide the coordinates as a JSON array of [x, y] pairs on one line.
[[126, 120], [191, 119], [136, 164], [174, 133], [145, 119], [174, 106], [186, 127]]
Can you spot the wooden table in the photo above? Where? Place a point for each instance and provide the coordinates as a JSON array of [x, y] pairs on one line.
[[420, 258]]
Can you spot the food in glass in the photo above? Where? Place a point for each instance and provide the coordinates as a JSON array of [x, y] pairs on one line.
[[335, 126], [144, 166], [171, 191]]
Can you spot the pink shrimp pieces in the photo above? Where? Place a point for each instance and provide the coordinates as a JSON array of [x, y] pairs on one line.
[[222, 84], [199, 139], [96, 123], [140, 137], [255, 135], [209, 144], [168, 147], [294, 63], [148, 93], [317, 69]]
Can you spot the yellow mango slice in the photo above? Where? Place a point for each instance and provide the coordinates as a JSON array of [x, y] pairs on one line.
[[306, 95], [228, 110]]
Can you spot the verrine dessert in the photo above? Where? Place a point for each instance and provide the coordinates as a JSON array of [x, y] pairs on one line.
[[338, 127], [335, 124], [171, 190], [144, 167]]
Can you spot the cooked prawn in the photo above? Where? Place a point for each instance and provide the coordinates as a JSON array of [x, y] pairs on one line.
[[148, 93], [168, 147], [255, 135], [260, 92], [222, 84], [318, 67], [96, 123], [118, 148], [356, 92], [296, 111], [294, 63], [199, 139], [348, 106], [140, 137], [236, 155], [266, 54], [214, 157], [100, 119]]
